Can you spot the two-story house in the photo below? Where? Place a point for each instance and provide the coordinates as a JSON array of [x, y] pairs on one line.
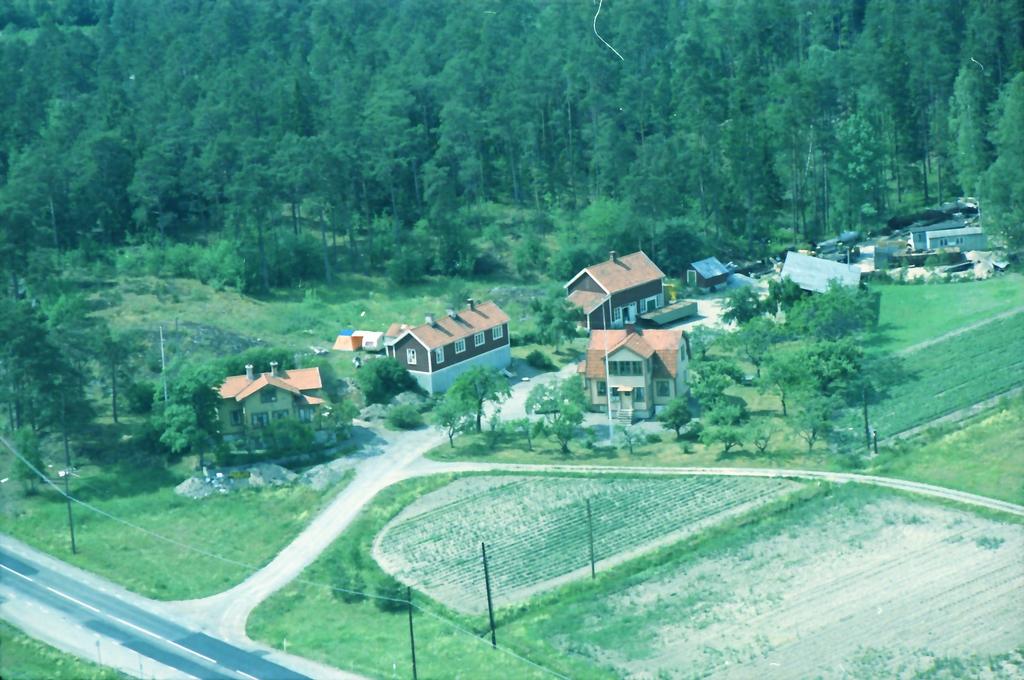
[[615, 292], [251, 402], [443, 348], [635, 371]]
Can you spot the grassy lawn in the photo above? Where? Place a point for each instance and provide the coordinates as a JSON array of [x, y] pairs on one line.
[[25, 658], [982, 456], [249, 527], [910, 314], [358, 635]]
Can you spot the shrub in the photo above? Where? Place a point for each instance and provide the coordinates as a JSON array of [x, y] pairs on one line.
[[139, 397], [382, 379], [540, 361], [652, 438], [286, 438], [404, 417]]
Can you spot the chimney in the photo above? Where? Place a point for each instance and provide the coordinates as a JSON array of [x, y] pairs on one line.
[[248, 372], [613, 256], [273, 369], [471, 304], [451, 313], [429, 319]]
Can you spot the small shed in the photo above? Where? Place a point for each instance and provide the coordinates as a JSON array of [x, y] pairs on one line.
[[707, 274], [814, 274], [967, 238], [348, 341], [373, 341]]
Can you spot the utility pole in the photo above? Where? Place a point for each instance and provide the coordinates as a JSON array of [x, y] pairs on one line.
[[67, 469], [163, 365], [490, 602], [590, 531], [874, 438], [412, 636]]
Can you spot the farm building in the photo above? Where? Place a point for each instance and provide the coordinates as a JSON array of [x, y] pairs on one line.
[[251, 401], [441, 349], [707, 274], [967, 238], [814, 274], [918, 239], [615, 292], [634, 371]]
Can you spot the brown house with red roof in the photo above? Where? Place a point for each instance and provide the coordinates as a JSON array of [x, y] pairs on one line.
[[443, 348], [251, 401], [615, 292], [635, 371]]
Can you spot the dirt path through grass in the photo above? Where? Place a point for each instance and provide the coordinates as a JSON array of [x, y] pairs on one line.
[[959, 331]]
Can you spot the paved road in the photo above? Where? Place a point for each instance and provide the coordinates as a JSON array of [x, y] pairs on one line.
[[173, 646]]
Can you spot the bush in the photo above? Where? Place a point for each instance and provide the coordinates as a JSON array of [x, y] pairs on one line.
[[382, 379], [287, 437], [540, 361], [652, 438], [404, 417], [139, 397]]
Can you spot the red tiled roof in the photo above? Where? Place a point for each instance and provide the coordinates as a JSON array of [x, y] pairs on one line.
[[663, 345], [467, 322], [239, 387], [586, 299], [622, 272]]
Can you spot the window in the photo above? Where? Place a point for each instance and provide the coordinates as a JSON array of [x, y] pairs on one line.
[[410, 356], [281, 414], [643, 306], [306, 413], [602, 388], [460, 346], [625, 368], [664, 388], [617, 314], [260, 419], [638, 395], [478, 339], [497, 333], [268, 396], [236, 417], [439, 355]]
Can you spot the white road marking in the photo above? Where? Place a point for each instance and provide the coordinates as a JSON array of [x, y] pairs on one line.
[[251, 677], [17, 573], [71, 599], [163, 639]]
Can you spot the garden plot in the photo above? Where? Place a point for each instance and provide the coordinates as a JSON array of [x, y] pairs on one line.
[[536, 529], [883, 588]]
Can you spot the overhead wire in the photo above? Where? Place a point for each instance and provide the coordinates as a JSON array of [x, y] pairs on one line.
[[253, 568]]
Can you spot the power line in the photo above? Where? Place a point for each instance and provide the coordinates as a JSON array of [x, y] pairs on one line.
[[252, 568]]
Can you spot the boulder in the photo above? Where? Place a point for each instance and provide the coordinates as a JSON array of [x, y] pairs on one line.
[[194, 487], [268, 474], [319, 477], [414, 399], [373, 412]]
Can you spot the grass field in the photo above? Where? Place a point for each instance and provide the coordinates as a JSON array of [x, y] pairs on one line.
[[910, 314], [537, 532], [24, 658], [982, 456], [249, 527], [954, 373]]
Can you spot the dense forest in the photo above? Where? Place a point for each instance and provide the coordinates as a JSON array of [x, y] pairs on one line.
[[297, 138]]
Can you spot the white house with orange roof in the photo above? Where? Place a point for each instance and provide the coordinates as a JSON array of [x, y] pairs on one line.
[[254, 401], [637, 371]]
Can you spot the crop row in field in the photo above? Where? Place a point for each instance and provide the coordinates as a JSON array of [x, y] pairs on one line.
[[537, 531], [853, 584], [953, 374]]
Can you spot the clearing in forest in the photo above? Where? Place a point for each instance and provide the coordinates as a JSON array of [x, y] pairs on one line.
[[857, 583], [537, 532]]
